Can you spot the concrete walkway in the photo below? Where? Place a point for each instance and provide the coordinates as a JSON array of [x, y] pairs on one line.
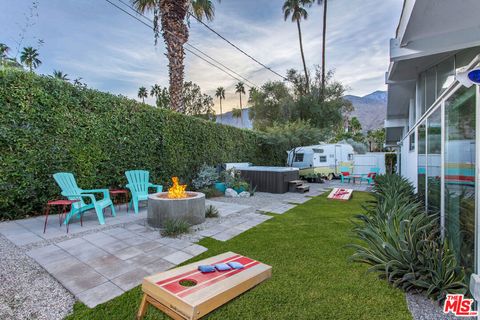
[[97, 263]]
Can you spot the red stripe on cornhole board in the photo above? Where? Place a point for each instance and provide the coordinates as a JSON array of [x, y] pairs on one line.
[[183, 275], [200, 278], [228, 274]]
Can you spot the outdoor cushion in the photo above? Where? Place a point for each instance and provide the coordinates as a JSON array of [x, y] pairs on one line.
[[236, 265], [222, 267], [206, 269], [371, 175], [345, 174]]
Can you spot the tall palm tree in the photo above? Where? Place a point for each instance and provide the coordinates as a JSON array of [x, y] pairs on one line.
[[172, 15], [60, 75], [142, 93], [240, 88], [296, 9], [220, 94], [29, 57], [324, 37]]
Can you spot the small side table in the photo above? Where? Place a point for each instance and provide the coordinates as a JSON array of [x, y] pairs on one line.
[[356, 177], [60, 204], [115, 193]]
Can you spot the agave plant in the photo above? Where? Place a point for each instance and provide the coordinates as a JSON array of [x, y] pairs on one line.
[[402, 242]]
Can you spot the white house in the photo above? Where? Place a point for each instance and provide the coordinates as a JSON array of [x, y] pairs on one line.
[[433, 119]]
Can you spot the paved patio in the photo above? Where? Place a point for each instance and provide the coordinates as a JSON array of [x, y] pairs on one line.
[[97, 263]]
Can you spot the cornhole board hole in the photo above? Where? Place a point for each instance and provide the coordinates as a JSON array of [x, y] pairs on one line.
[[340, 194], [186, 293]]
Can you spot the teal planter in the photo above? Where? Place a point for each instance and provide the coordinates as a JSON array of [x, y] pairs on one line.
[[220, 186], [239, 190]]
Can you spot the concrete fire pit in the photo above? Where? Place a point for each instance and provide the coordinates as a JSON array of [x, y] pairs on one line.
[[161, 208]]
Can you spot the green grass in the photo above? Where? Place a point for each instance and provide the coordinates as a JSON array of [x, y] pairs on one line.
[[312, 277]]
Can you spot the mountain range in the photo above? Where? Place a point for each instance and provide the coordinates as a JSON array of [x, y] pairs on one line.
[[371, 111]]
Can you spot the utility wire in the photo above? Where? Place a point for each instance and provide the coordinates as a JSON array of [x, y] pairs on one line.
[[190, 45], [233, 45], [192, 52]]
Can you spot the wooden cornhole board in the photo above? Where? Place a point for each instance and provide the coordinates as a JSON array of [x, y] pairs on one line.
[[340, 194], [212, 290]]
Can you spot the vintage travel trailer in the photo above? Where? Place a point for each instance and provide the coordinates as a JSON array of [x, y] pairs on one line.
[[327, 159]]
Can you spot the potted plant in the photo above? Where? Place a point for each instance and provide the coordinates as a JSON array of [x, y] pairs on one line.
[[224, 181], [240, 185]]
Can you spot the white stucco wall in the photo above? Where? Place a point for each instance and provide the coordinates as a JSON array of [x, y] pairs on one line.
[[409, 163]]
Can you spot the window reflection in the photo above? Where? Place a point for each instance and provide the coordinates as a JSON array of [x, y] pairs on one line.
[[460, 175]]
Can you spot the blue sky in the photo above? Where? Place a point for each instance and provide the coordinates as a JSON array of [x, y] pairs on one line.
[[113, 52]]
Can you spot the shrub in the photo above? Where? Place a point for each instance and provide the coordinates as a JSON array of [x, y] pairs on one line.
[[211, 212], [211, 192], [175, 227], [402, 242], [48, 126], [206, 177]]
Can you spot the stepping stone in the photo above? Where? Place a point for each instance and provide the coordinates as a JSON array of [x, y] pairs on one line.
[[99, 294]]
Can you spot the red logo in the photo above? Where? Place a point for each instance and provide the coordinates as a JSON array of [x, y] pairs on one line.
[[459, 306]]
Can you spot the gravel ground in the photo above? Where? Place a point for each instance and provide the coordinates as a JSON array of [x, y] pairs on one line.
[[423, 308], [27, 291]]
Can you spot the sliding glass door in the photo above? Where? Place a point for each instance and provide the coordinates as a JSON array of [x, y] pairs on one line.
[[459, 175]]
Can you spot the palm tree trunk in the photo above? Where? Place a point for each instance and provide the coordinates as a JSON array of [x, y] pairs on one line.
[[221, 113], [323, 44], [175, 35], [303, 56], [241, 110]]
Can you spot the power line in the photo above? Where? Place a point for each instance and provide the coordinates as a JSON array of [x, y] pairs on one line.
[[190, 45], [195, 54], [233, 45]]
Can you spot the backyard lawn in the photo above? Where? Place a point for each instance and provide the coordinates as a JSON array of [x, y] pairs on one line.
[[312, 277]]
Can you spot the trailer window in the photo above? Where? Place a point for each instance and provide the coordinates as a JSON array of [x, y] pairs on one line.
[[298, 157], [323, 158], [317, 150], [350, 156]]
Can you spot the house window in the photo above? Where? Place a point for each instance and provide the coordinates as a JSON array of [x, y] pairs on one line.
[[323, 158], [411, 144], [298, 157]]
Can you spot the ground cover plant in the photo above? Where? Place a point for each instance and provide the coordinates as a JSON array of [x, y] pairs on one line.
[[312, 275]]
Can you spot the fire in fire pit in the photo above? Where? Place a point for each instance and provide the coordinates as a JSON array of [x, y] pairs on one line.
[[177, 191]]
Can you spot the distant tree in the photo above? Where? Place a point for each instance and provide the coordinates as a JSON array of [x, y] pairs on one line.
[[355, 126], [220, 94], [297, 10], [29, 57], [162, 96], [292, 135], [196, 103], [272, 103], [60, 75], [376, 140], [4, 49], [299, 82], [142, 93], [78, 83], [281, 103], [240, 88], [237, 113]]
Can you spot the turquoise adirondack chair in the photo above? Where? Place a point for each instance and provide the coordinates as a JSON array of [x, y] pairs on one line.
[[138, 184], [345, 174], [370, 177], [71, 191]]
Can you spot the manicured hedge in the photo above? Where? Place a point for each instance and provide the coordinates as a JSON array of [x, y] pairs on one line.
[[49, 125]]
